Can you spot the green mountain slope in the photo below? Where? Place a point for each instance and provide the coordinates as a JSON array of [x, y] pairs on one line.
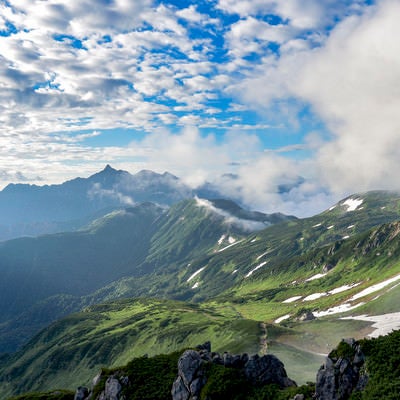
[[277, 275], [145, 245], [70, 352]]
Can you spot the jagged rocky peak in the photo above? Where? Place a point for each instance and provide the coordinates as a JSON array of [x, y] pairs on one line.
[[342, 373], [258, 370], [193, 374]]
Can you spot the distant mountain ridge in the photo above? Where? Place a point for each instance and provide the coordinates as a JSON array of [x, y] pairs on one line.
[[30, 210]]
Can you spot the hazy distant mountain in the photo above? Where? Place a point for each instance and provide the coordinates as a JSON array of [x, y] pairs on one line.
[[27, 210]]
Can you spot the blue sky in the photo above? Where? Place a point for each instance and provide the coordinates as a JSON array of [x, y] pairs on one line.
[[296, 92]]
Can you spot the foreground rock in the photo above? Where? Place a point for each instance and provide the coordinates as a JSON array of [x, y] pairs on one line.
[[193, 372], [341, 373], [264, 370]]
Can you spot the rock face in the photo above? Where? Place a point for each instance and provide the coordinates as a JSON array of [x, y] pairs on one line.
[[192, 374], [112, 389], [257, 370], [340, 375], [81, 393]]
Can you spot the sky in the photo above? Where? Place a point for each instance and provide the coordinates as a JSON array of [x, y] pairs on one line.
[[287, 105]]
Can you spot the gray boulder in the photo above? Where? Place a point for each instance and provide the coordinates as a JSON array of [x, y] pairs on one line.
[[340, 376], [192, 371], [112, 390], [266, 370], [81, 393], [190, 379]]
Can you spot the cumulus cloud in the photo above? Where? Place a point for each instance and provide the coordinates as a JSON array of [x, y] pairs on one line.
[[351, 82], [70, 70]]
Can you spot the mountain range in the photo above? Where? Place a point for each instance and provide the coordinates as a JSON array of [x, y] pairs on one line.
[[160, 274]]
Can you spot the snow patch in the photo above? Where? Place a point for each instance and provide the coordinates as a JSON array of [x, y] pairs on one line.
[[292, 299], [255, 269], [234, 272], [343, 288], [352, 204], [317, 225], [196, 285], [221, 239], [229, 245], [333, 207], [345, 237], [194, 274], [375, 288], [280, 319], [263, 254], [383, 324], [330, 227], [336, 310], [231, 240], [317, 276], [350, 226], [314, 296]]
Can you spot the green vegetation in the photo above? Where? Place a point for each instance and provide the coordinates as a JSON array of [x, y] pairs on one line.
[[69, 353], [233, 287], [53, 395], [146, 382], [382, 367]]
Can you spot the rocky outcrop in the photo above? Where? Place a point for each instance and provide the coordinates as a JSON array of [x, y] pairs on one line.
[[192, 377], [81, 393], [112, 388], [341, 373]]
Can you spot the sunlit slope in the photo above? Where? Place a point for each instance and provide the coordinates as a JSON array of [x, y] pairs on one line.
[[273, 250], [146, 245], [71, 351]]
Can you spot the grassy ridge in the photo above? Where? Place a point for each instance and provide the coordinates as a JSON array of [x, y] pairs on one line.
[[70, 352]]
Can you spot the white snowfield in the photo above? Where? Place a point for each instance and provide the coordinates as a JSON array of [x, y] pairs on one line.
[[375, 288], [255, 269], [336, 310], [280, 319], [352, 204], [229, 245], [383, 324], [343, 288], [317, 276], [314, 296], [196, 285], [263, 254], [292, 299], [221, 239], [194, 274]]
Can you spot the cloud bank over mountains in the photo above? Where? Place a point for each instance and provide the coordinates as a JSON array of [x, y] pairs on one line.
[[269, 91]]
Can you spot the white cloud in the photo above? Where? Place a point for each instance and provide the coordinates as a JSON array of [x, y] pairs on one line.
[[351, 82]]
